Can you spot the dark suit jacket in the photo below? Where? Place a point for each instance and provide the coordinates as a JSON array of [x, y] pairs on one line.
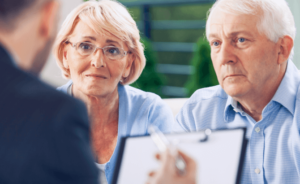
[[44, 134]]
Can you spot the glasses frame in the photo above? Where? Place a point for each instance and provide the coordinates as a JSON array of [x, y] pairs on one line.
[[96, 48]]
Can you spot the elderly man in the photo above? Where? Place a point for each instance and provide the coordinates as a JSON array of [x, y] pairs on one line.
[[44, 134], [251, 49]]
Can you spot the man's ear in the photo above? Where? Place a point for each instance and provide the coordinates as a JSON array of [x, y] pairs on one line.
[[129, 62], [286, 45], [49, 19]]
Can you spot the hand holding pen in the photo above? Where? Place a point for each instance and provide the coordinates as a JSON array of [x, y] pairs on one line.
[[168, 174], [176, 166]]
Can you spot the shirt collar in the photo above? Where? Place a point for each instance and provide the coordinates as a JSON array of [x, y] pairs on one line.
[[285, 94], [230, 109], [287, 90], [232, 106]]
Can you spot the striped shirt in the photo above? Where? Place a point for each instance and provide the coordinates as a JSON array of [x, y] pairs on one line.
[[273, 150]]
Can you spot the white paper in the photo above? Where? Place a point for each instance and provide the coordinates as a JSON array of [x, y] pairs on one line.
[[217, 159]]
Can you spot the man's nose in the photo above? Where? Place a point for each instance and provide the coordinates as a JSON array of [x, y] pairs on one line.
[[98, 59], [228, 54]]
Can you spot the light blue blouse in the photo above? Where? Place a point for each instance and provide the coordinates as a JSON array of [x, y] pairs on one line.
[[137, 110]]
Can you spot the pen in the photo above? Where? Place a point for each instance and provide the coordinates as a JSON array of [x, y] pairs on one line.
[[162, 143]]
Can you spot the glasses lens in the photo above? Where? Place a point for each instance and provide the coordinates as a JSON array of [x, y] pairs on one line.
[[85, 48], [114, 52]]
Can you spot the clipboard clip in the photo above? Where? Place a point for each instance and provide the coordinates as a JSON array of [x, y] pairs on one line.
[[207, 133]]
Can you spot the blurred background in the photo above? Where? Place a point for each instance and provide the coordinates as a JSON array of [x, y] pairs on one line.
[[177, 53]]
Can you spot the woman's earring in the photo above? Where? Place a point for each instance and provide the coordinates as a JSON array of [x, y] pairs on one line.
[[66, 66], [123, 79]]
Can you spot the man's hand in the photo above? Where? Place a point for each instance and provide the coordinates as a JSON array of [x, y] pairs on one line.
[[168, 174]]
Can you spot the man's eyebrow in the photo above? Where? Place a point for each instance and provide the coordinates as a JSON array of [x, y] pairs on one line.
[[213, 35], [233, 34], [240, 32], [90, 37]]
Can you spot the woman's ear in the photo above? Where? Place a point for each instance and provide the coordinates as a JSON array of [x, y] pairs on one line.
[[130, 60], [65, 58]]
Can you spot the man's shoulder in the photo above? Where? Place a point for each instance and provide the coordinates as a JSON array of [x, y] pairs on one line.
[[206, 94], [26, 93], [204, 109], [40, 92], [57, 103], [206, 100]]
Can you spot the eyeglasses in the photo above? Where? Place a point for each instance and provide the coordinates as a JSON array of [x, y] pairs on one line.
[[86, 49]]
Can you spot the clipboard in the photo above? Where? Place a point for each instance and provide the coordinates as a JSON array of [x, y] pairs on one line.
[[219, 158]]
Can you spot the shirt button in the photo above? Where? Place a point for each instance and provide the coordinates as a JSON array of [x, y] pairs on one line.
[[257, 129], [235, 110], [257, 171]]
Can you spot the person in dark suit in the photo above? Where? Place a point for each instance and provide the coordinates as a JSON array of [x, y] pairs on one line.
[[44, 134]]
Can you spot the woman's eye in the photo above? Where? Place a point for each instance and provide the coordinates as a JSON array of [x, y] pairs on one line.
[[241, 40], [113, 51], [85, 46]]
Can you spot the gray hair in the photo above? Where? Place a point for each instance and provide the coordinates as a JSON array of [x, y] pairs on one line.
[[276, 17]]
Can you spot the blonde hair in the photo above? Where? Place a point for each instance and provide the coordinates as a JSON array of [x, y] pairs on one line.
[[106, 17]]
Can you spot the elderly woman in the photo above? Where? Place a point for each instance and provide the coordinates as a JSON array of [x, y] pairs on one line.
[[99, 49]]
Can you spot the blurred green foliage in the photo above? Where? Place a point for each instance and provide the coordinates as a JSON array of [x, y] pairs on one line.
[[177, 58], [182, 12], [204, 74], [135, 12], [177, 35], [150, 80]]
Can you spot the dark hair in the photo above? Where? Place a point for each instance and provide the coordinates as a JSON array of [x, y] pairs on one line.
[[11, 10]]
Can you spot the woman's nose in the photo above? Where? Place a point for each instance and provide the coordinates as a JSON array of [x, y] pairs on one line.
[[98, 59]]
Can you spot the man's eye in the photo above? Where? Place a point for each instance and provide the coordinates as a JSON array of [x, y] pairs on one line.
[[241, 40], [215, 44]]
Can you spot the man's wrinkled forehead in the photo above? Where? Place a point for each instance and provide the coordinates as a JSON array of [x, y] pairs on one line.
[[228, 24]]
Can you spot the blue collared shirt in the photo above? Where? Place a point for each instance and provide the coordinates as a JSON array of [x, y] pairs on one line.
[[273, 150], [137, 110]]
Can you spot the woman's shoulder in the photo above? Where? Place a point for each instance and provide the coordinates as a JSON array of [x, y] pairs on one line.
[[146, 107], [136, 98], [139, 95], [64, 88]]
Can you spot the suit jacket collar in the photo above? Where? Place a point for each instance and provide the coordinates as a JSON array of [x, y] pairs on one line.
[[5, 56]]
